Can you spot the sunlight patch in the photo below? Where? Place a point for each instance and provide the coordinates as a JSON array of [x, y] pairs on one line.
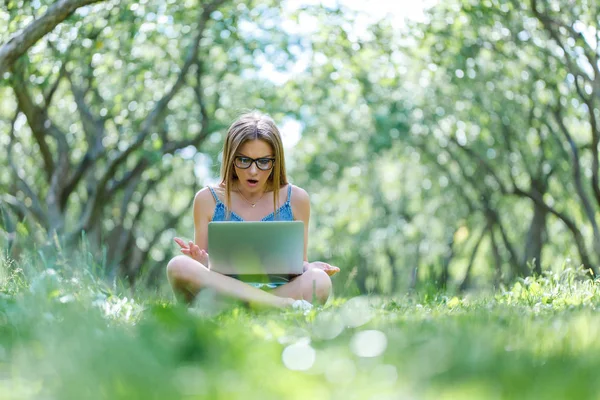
[[299, 356], [371, 343], [356, 311], [328, 325]]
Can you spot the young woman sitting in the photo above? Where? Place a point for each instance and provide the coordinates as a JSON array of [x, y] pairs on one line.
[[253, 187]]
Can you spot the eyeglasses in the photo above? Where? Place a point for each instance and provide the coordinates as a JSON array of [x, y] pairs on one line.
[[264, 163]]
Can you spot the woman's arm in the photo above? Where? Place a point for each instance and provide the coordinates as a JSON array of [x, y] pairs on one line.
[[202, 210], [204, 205], [301, 210]]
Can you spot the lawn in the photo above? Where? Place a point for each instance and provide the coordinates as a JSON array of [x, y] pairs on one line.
[[67, 334]]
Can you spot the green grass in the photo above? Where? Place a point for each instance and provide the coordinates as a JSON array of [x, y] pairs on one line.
[[67, 334]]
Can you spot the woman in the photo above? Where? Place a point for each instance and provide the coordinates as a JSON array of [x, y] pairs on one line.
[[253, 187]]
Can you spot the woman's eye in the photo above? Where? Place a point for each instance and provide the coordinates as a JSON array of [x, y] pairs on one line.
[[244, 160]]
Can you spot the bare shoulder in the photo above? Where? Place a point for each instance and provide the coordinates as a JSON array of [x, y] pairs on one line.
[[203, 196], [204, 201], [299, 196]]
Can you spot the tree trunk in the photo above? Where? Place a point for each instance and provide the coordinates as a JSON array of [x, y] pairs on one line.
[[464, 285], [414, 273], [445, 273], [535, 239], [497, 259]]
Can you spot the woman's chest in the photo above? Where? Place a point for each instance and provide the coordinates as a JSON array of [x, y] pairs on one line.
[[252, 213]]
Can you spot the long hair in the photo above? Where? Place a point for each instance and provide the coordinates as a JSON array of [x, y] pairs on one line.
[[251, 126]]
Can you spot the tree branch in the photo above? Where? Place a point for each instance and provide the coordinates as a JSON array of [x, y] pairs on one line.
[[427, 153], [151, 119], [22, 41], [520, 268], [497, 256], [36, 207], [577, 178], [50, 94], [129, 240], [550, 25], [570, 224], [135, 172], [466, 280], [15, 203], [480, 162], [171, 221], [36, 123]]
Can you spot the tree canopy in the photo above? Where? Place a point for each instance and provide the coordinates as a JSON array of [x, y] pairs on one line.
[[459, 150]]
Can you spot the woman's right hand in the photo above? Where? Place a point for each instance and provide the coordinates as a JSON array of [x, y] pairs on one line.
[[193, 251], [329, 269]]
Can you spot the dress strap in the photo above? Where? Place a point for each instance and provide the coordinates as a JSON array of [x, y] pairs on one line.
[[214, 195], [289, 194]]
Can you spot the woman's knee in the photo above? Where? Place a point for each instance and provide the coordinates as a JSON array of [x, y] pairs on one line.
[[182, 268], [319, 283]]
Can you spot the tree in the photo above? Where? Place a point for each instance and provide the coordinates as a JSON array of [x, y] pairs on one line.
[[511, 113], [37, 29], [110, 111]]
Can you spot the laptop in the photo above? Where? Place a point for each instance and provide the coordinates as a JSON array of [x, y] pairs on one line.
[[259, 252]]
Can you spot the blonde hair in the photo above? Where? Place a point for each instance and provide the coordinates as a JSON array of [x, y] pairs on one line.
[[253, 126]]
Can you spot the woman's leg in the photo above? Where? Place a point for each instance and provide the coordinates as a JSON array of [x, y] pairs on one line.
[[313, 283], [187, 276]]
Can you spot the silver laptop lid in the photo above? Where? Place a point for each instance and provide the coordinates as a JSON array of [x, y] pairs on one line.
[[256, 248]]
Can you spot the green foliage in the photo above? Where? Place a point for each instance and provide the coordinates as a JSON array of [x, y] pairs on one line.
[[434, 154]]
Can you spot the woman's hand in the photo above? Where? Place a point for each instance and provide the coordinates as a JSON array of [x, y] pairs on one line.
[[192, 250], [329, 269]]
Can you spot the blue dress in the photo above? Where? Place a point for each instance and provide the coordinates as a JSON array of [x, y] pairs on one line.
[[284, 213]]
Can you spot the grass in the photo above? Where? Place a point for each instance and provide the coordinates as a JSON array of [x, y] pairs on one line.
[[67, 334]]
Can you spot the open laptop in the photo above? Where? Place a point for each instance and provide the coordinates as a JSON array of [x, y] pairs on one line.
[[261, 252]]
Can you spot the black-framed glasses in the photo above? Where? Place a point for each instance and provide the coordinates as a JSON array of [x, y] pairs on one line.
[[263, 163]]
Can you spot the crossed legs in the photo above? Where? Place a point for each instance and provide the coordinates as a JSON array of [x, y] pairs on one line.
[[187, 277]]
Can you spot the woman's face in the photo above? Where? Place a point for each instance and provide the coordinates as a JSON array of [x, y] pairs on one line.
[[254, 178]]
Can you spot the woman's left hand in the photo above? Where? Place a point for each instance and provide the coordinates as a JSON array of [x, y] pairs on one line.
[[193, 251], [329, 269]]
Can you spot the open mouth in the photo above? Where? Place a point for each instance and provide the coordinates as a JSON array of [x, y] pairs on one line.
[[252, 181]]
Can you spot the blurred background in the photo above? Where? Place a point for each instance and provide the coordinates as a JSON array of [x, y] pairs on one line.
[[450, 144]]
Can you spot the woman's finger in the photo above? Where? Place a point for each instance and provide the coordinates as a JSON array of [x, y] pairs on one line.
[[180, 242]]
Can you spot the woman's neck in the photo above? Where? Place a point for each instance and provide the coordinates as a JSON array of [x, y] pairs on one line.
[[251, 196]]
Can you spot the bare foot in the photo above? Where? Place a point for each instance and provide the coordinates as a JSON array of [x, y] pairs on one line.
[[302, 305]]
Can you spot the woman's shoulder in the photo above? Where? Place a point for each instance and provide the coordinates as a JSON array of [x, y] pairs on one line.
[[299, 195], [206, 195]]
